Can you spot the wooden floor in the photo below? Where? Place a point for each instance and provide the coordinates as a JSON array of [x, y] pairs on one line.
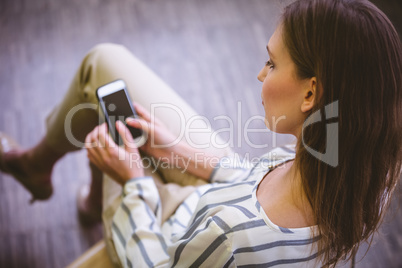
[[209, 51]]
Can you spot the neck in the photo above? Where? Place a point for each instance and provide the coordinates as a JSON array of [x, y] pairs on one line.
[[292, 177]]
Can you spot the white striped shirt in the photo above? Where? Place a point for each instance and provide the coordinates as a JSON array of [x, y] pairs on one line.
[[220, 225]]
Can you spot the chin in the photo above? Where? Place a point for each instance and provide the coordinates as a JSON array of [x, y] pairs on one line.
[[280, 129], [273, 125]]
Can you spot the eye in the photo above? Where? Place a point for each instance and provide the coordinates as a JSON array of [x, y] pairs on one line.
[[269, 64]]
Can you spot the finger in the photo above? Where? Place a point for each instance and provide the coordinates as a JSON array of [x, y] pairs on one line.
[[131, 145], [94, 157], [125, 134], [142, 112], [94, 136], [138, 123], [96, 162], [90, 156], [99, 150], [111, 148], [90, 140], [103, 134]]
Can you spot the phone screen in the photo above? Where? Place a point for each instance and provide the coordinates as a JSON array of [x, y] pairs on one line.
[[117, 107]]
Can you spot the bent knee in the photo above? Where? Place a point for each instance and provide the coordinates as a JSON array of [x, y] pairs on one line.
[[103, 55], [99, 67], [107, 49]]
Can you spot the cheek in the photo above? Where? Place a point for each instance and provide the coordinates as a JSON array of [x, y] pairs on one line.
[[281, 100], [273, 96], [281, 91]]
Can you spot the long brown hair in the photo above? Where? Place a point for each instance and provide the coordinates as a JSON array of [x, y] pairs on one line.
[[354, 52]]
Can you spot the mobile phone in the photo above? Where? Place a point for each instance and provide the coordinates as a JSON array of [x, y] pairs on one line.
[[116, 105]]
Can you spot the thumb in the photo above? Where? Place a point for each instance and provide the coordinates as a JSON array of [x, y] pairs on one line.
[[138, 123], [126, 136]]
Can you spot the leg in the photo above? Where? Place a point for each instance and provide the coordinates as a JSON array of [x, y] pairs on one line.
[[89, 198], [32, 167], [147, 89], [115, 62], [104, 64]]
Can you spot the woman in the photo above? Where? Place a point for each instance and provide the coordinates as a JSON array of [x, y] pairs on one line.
[[342, 58]]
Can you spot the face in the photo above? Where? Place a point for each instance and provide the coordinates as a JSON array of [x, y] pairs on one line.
[[282, 92]]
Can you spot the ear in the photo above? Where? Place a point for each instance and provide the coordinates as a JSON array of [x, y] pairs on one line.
[[310, 94]]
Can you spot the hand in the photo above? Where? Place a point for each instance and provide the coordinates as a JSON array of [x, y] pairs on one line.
[[119, 163], [164, 145], [160, 142]]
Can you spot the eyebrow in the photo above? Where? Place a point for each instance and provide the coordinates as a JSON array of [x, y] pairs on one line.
[[269, 52]]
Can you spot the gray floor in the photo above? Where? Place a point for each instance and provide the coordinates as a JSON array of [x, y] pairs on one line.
[[210, 52]]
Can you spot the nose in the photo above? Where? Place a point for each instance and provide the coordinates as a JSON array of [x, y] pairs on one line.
[[262, 74]]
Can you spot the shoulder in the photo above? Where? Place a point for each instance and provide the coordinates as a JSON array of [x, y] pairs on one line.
[[280, 153]]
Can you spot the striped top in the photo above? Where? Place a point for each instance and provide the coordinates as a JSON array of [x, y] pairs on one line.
[[220, 225]]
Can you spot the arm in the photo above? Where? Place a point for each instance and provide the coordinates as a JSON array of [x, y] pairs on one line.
[[136, 231], [231, 170], [136, 228], [139, 241], [162, 144]]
